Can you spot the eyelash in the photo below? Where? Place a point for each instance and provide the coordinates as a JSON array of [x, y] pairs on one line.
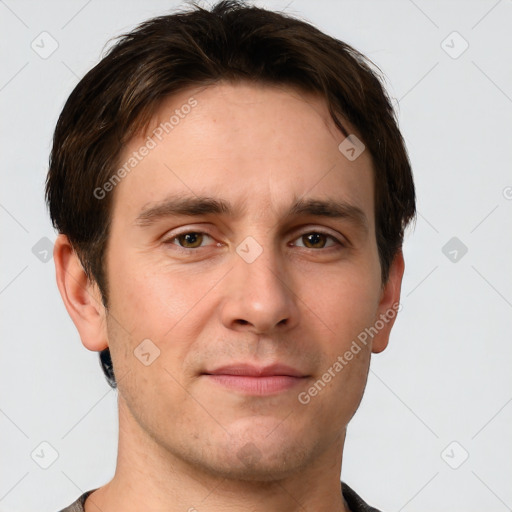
[[171, 240]]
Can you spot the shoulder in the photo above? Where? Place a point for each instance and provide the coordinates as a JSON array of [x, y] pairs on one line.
[[78, 505], [354, 501]]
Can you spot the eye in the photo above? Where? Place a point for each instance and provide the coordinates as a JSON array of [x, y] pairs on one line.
[[317, 240], [311, 240], [189, 240]]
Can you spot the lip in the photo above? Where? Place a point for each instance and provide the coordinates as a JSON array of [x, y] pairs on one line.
[[256, 380], [249, 370]]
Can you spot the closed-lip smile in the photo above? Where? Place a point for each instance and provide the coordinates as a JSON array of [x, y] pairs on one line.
[[256, 380]]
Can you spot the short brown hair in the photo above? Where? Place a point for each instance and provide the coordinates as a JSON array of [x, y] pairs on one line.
[[233, 41]]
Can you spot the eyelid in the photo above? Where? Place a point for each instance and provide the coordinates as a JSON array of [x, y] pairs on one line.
[[315, 228]]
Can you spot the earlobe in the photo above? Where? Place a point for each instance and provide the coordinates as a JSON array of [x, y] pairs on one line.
[[389, 303], [80, 295]]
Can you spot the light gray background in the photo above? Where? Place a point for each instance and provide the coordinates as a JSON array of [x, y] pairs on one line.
[[446, 374]]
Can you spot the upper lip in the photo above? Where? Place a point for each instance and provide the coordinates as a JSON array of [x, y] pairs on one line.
[[251, 370]]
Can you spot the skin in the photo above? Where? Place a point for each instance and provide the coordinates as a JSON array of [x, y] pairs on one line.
[[185, 442]]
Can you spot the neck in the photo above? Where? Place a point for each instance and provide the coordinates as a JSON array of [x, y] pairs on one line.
[[149, 477]]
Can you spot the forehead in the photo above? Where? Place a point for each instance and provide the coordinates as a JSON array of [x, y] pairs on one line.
[[245, 143]]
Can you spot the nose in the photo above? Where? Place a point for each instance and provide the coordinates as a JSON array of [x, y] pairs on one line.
[[259, 295]]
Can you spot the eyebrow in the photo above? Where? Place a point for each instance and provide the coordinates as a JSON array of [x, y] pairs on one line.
[[203, 205]]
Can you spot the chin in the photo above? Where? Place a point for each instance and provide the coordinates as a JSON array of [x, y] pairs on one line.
[[259, 453], [254, 466]]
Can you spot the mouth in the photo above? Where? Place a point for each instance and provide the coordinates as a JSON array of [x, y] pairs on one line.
[[255, 380]]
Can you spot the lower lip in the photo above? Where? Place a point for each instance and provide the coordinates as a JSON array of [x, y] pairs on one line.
[[253, 385]]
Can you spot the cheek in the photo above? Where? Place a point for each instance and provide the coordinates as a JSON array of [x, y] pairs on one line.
[[343, 307], [151, 297], [169, 307], [346, 304]]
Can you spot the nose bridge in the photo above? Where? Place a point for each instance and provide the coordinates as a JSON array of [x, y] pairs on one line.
[[260, 265], [260, 293]]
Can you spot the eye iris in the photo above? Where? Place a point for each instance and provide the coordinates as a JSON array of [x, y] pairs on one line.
[[314, 239], [191, 239]]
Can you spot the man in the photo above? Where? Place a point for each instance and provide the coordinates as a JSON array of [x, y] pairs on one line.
[[231, 191]]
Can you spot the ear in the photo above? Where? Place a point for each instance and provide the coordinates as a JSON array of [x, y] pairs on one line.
[[389, 303], [81, 296]]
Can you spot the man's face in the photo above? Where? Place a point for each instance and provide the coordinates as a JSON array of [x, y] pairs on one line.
[[246, 290]]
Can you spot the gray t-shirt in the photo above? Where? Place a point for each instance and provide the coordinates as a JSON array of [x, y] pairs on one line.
[[354, 502]]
